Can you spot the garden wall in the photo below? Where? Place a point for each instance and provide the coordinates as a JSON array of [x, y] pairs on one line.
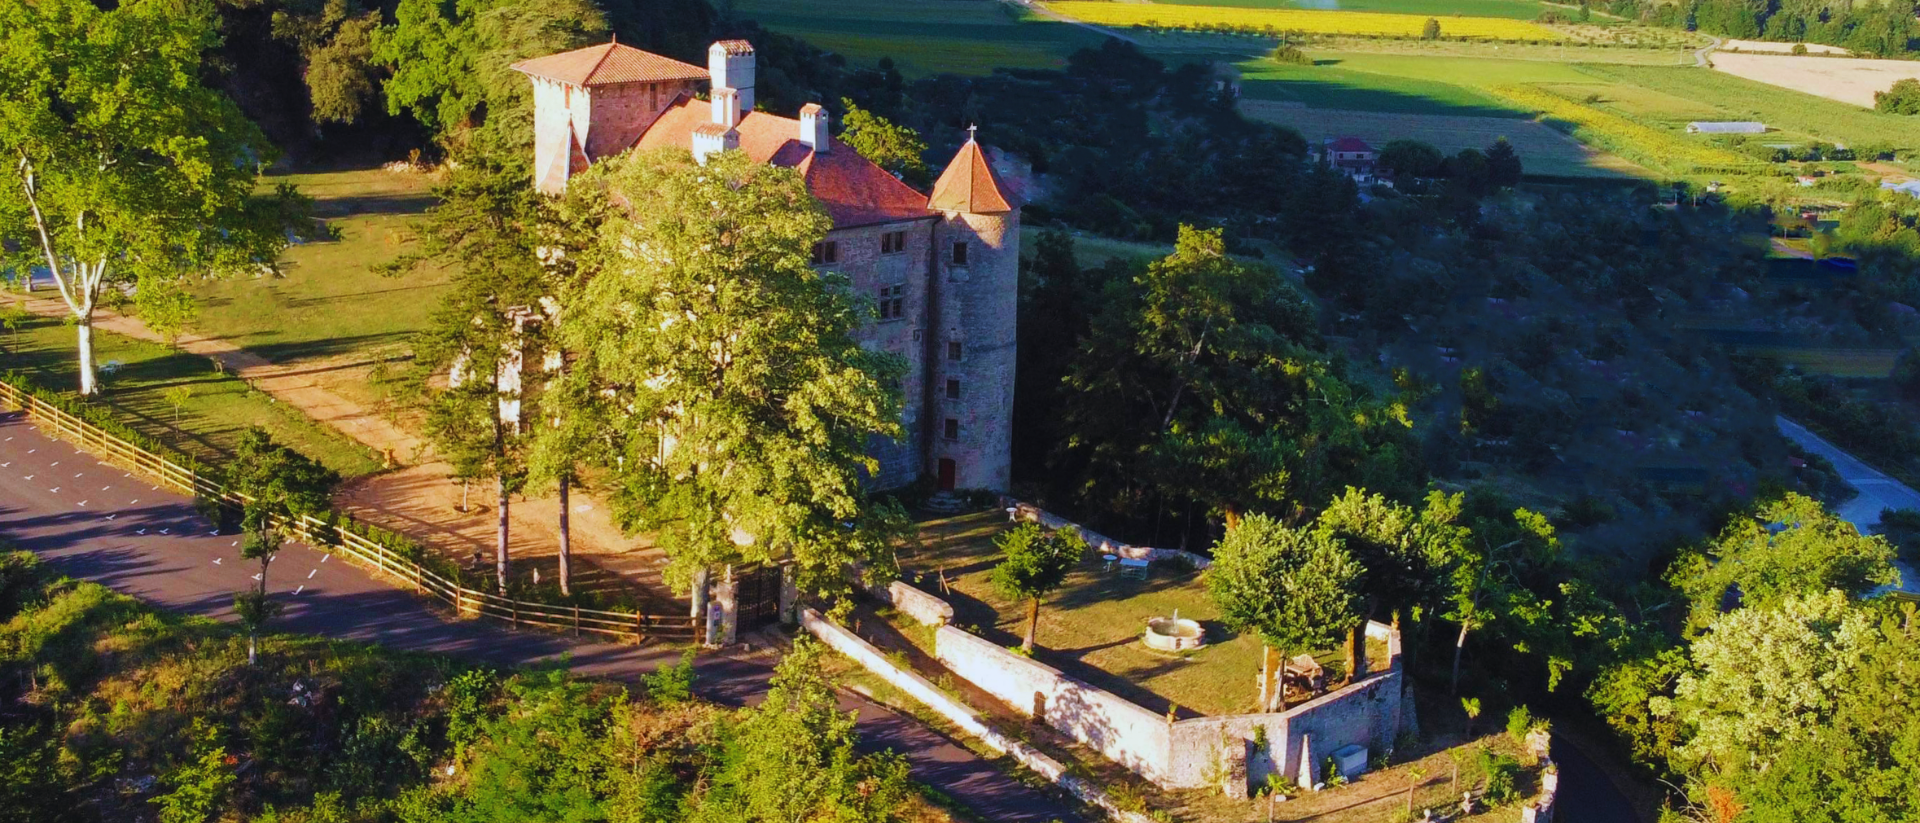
[[1027, 512]]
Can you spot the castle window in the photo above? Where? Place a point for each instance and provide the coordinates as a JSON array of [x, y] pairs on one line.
[[960, 253], [953, 350], [826, 252], [952, 431], [893, 242], [893, 302], [953, 388]]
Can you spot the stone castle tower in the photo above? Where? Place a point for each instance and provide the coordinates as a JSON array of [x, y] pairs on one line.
[[942, 269]]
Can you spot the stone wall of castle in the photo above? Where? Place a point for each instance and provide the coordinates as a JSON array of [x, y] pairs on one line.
[[871, 270], [978, 309]]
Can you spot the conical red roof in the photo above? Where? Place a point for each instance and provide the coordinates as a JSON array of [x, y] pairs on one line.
[[969, 185]]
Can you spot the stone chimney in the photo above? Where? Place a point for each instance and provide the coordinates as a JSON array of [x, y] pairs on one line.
[[730, 65], [813, 128], [710, 138], [726, 107]]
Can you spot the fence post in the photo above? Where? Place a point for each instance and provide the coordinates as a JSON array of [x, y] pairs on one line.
[[576, 620], [516, 612]]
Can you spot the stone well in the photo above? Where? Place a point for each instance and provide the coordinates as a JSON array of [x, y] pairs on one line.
[[1174, 634]]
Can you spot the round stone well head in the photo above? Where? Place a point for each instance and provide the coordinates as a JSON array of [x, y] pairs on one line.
[[1174, 634]]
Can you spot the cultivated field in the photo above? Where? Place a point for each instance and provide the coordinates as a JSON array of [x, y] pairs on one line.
[[1294, 20], [1542, 150], [1737, 98], [925, 36], [1777, 48], [1654, 147], [1400, 83], [1510, 9], [1847, 80]]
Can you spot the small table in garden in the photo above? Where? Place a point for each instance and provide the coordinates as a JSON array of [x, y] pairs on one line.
[[1131, 567]]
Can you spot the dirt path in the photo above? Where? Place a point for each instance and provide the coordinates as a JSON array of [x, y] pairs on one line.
[[418, 497]]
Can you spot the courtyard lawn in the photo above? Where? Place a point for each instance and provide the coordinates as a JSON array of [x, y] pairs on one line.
[[144, 379], [1091, 628], [926, 36]]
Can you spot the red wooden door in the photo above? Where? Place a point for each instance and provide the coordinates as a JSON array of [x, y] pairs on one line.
[[946, 474]]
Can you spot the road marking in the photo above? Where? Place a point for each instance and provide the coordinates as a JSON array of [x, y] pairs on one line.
[[104, 488], [312, 573], [6, 464], [302, 588], [256, 576], [214, 533], [83, 502], [323, 558], [136, 500], [29, 477], [163, 531], [216, 561], [112, 516], [142, 531], [56, 490], [76, 474], [55, 463]]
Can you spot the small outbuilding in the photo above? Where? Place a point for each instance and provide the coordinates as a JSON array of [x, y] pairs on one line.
[[1726, 127]]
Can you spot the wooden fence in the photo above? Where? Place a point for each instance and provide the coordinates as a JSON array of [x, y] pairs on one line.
[[634, 627]]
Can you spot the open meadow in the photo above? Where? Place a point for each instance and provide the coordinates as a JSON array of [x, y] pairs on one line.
[[1510, 9], [1736, 98], [1155, 15], [926, 36], [1848, 80]]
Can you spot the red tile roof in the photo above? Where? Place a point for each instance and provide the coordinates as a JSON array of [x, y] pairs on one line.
[[608, 64], [970, 185], [854, 191], [1351, 144]]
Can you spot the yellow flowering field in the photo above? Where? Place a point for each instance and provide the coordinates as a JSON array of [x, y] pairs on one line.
[[1300, 20]]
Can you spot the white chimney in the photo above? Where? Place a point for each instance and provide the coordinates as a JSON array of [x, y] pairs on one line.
[[730, 65], [813, 128], [726, 107], [709, 138]]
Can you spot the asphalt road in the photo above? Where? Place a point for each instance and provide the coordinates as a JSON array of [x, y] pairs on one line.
[[96, 522], [1878, 491]]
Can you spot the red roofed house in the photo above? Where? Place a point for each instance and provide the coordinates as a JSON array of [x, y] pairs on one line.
[[1351, 153], [943, 268]]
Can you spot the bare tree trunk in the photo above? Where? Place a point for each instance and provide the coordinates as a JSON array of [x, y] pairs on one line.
[[500, 546], [1033, 622], [566, 543], [1357, 652], [1458, 646], [253, 651], [1266, 676], [83, 331]]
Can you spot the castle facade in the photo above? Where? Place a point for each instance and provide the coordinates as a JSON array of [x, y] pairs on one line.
[[942, 268]]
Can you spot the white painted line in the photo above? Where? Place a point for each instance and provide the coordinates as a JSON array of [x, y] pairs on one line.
[[104, 488], [256, 575], [302, 588], [164, 531], [236, 542], [214, 533], [142, 531], [56, 490], [54, 463], [76, 474], [29, 477], [83, 502], [136, 500], [216, 561], [323, 558], [312, 573], [112, 516]]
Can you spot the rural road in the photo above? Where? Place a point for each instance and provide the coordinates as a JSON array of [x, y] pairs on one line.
[[1878, 491], [96, 522], [1700, 57]]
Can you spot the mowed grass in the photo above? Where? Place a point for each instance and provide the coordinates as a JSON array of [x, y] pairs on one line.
[[926, 36], [1400, 83], [1091, 628], [1792, 111], [143, 384], [1510, 9], [1155, 15]]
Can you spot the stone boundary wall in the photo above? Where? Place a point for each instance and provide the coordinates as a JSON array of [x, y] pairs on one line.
[[925, 608], [1027, 512], [962, 716]]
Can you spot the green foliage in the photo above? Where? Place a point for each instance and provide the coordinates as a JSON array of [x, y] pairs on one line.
[[1409, 159], [1781, 549], [1503, 165], [671, 685], [1503, 777], [198, 788], [1902, 98], [893, 147], [123, 168], [1430, 30], [1288, 54], [33, 781], [1032, 564], [1297, 589], [1519, 722], [734, 403]]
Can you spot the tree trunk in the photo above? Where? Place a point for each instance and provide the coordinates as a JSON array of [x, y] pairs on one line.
[[500, 545], [1357, 652], [1033, 623], [1458, 646], [1266, 676], [1232, 514], [566, 543], [83, 331], [253, 651]]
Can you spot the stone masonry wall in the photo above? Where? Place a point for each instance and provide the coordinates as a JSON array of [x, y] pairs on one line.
[[862, 262], [979, 307]]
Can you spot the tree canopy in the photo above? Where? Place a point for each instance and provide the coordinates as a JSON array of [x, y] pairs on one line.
[[1033, 563], [1783, 548]]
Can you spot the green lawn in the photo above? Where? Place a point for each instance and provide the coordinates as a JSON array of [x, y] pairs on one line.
[[925, 36], [1091, 628], [143, 375], [1510, 9]]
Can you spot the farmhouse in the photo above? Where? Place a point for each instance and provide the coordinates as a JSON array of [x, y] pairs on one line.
[[941, 267], [1726, 127], [1350, 153]]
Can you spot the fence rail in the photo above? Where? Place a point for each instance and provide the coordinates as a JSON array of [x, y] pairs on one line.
[[371, 554]]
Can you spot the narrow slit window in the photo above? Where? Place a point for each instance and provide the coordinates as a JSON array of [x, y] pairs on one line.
[[952, 429], [960, 253], [953, 388]]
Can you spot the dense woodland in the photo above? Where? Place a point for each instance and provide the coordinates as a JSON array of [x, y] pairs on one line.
[[1594, 513], [1881, 29]]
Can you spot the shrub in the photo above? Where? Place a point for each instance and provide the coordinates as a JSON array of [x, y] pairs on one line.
[[671, 685], [1288, 54], [1799, 48], [1503, 777], [1519, 722]]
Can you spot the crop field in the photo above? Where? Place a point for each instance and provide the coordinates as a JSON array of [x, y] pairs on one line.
[[1768, 47], [1655, 147], [1844, 79], [1510, 9], [1542, 150], [925, 36], [1739, 98], [1155, 15], [1401, 83]]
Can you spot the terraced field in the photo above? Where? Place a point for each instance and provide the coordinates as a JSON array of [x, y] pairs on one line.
[[1155, 15]]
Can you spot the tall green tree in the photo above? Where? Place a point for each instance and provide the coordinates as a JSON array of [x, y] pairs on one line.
[[1032, 564], [1403, 551], [737, 402], [280, 486], [122, 169], [1298, 589], [1782, 548], [481, 361], [890, 146]]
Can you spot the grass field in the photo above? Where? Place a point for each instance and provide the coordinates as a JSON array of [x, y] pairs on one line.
[[1155, 15], [1509, 9], [1657, 148], [1401, 83], [140, 389], [925, 36], [1542, 150], [1740, 98]]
